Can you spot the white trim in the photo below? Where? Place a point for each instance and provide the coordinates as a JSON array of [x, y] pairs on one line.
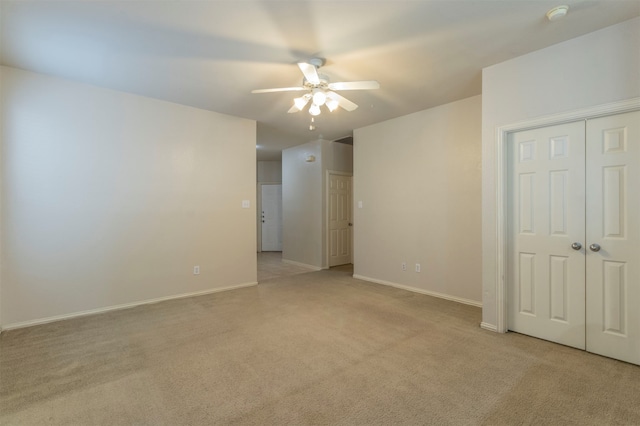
[[120, 307], [612, 108], [303, 265], [488, 326], [502, 133], [419, 290]]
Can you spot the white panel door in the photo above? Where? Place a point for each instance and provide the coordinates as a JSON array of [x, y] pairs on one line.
[[613, 223], [546, 193], [340, 225], [271, 217]]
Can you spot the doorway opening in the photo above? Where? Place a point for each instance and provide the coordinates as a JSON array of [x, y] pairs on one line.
[[339, 226]]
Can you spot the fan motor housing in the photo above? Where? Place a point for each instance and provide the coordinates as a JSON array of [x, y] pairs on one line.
[[324, 83]]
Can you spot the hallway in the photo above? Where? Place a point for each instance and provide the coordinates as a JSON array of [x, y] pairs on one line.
[[270, 265]]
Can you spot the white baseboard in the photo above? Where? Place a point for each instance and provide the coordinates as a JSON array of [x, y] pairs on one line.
[[302, 265], [119, 307], [421, 291], [490, 327]]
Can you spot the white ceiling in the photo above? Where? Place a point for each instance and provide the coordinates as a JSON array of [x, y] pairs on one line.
[[211, 54]]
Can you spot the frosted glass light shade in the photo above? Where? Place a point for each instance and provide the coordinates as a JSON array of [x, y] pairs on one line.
[[300, 102], [314, 109], [319, 98], [332, 104]]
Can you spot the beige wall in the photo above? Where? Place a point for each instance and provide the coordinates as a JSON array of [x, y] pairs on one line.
[[269, 171], [418, 177], [304, 198], [597, 68], [110, 199], [337, 157], [2, 120], [302, 204]]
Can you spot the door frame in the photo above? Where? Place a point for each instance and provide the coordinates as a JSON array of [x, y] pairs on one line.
[[259, 212], [500, 187], [327, 212]]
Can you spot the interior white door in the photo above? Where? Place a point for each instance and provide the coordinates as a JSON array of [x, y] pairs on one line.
[[340, 225], [546, 215], [613, 223], [569, 185], [271, 196]]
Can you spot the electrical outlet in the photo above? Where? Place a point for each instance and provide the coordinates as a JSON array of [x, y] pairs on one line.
[[417, 267], [404, 266], [196, 270]]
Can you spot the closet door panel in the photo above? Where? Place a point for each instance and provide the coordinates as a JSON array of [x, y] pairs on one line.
[[546, 193], [613, 237]]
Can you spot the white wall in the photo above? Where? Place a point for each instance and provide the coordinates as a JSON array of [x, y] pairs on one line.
[[598, 68], [111, 199], [418, 177], [304, 198]]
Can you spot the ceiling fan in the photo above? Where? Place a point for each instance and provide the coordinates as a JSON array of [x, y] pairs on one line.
[[320, 91]]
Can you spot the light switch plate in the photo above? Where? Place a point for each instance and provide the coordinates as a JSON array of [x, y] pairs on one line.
[[246, 204]]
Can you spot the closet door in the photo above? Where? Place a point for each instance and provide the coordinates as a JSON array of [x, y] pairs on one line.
[[546, 215], [613, 236]]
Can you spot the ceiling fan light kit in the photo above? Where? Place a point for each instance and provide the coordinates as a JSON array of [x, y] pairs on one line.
[[320, 91]]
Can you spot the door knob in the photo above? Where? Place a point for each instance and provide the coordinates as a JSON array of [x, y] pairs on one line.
[[351, 224], [594, 247], [576, 246]]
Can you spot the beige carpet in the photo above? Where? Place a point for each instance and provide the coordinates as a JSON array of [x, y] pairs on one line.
[[316, 348]]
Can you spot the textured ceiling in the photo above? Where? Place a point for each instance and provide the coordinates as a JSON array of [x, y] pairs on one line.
[[211, 54]]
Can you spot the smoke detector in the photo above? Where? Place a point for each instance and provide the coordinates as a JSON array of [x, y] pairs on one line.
[[557, 12]]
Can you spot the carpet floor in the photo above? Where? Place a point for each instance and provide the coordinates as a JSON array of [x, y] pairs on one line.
[[319, 348]]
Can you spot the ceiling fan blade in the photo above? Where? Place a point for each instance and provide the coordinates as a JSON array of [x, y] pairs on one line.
[[342, 101], [354, 85], [279, 89], [310, 72]]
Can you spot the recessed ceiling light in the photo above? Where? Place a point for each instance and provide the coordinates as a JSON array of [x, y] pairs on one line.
[[557, 12]]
